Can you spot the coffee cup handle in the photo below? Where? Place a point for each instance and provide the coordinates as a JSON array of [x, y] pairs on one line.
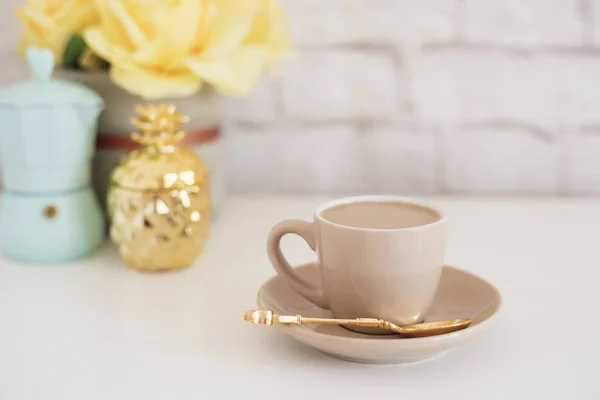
[[306, 231]]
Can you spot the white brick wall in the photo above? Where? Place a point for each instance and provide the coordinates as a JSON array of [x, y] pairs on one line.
[[318, 158], [499, 159], [593, 20], [398, 160], [332, 85], [334, 22], [458, 85], [411, 97], [582, 169], [524, 22]]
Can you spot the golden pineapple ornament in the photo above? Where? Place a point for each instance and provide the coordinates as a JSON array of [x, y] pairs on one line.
[[158, 199]]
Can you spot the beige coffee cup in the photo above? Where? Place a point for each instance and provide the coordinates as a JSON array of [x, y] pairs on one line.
[[379, 256]]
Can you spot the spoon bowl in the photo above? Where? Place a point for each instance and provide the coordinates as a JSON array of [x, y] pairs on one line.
[[432, 328]]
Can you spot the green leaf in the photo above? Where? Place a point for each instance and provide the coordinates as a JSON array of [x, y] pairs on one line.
[[73, 51]]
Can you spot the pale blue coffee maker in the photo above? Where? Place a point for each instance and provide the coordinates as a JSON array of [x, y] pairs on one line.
[[48, 212]]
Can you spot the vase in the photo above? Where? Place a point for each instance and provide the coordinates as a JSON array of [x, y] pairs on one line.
[[203, 132]]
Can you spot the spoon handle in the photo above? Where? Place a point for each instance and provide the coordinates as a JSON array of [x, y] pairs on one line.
[[299, 320]]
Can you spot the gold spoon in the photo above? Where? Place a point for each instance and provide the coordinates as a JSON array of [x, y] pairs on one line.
[[267, 317]]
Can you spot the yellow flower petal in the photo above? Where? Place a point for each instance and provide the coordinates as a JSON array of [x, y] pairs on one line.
[[153, 86], [152, 55], [229, 27], [34, 18], [97, 40], [235, 74], [179, 25], [270, 29], [146, 15], [50, 23], [129, 26], [64, 11], [158, 55], [79, 18], [111, 25]]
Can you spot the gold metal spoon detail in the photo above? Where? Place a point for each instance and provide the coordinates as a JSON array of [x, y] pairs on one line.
[[267, 317]]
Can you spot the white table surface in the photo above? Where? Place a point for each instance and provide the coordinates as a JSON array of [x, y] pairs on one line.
[[94, 329]]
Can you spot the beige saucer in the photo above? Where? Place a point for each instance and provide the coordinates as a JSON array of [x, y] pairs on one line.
[[460, 294]]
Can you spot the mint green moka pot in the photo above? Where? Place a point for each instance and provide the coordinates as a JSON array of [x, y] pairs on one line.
[[49, 212]]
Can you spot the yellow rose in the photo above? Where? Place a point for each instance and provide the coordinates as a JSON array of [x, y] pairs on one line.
[[169, 48], [50, 23]]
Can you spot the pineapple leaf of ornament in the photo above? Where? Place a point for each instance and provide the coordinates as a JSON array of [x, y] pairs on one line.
[[159, 125]]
